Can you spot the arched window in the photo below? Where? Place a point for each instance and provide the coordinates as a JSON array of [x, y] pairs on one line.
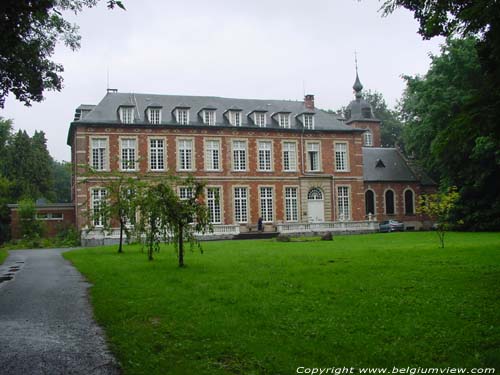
[[368, 138], [389, 202], [370, 202], [409, 205], [315, 194]]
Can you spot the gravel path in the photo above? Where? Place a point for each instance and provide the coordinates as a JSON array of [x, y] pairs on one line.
[[46, 322]]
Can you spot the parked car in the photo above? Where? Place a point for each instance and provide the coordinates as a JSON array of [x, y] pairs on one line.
[[391, 226]]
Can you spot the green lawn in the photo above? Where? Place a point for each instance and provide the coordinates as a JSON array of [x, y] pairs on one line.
[[265, 307], [3, 255]]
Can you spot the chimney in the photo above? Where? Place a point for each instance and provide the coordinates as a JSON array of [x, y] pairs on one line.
[[309, 101]]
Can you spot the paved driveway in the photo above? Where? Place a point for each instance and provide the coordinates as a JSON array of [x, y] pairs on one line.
[[46, 323]]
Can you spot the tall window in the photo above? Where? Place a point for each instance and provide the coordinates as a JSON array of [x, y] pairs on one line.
[[265, 155], [266, 204], [156, 154], [235, 118], [182, 116], [241, 204], [289, 156], [343, 202], [313, 157], [128, 154], [368, 138], [98, 199], [99, 146], [291, 205], [213, 203], [154, 115], [260, 119], [308, 121], [239, 155], [185, 154], [284, 120], [212, 155], [370, 202], [127, 115], [389, 202], [209, 117], [341, 157], [409, 209]]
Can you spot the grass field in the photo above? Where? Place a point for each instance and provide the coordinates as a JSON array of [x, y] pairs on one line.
[[265, 307], [3, 255]]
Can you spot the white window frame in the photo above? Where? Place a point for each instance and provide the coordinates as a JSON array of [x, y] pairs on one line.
[[260, 119], [209, 117], [183, 153], [213, 160], [310, 148], [128, 161], [284, 120], [265, 156], [266, 203], [97, 195], [157, 154], [236, 118], [238, 161], [185, 192], [308, 121], [127, 114], [182, 116], [289, 156], [240, 202], [154, 115], [368, 138], [341, 150], [343, 202], [103, 155], [291, 196], [214, 204]]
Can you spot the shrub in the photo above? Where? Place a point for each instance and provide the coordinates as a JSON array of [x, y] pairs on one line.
[[327, 236], [283, 238]]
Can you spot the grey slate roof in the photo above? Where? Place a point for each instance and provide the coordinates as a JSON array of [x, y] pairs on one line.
[[396, 167], [106, 112]]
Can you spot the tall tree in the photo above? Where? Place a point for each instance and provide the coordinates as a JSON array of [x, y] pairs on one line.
[[62, 181], [29, 33]]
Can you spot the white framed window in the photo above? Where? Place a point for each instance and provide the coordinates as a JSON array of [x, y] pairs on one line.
[[308, 121], [343, 203], [213, 204], [260, 119], [241, 204], [341, 157], [185, 154], [235, 118], [209, 117], [185, 192], [289, 156], [182, 116], [127, 115], [266, 204], [291, 204], [284, 120], [212, 154], [313, 156], [97, 201], [128, 152], [368, 138], [154, 115], [98, 149], [265, 150], [239, 155], [157, 154]]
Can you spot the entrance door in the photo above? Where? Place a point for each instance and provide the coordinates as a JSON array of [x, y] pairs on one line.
[[315, 206]]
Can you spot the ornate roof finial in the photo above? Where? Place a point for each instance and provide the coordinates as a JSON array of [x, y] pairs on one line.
[[357, 84]]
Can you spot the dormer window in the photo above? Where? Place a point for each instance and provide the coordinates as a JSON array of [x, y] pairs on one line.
[[127, 115], [154, 115], [308, 121], [366, 112], [368, 138], [182, 116], [260, 119], [235, 118], [284, 120], [209, 116]]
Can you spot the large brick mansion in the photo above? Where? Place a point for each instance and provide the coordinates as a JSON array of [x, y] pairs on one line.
[[286, 162]]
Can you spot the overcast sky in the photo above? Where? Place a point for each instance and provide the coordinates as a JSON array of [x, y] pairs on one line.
[[265, 49]]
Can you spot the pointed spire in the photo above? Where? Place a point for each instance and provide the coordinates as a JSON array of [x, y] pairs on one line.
[[357, 84]]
